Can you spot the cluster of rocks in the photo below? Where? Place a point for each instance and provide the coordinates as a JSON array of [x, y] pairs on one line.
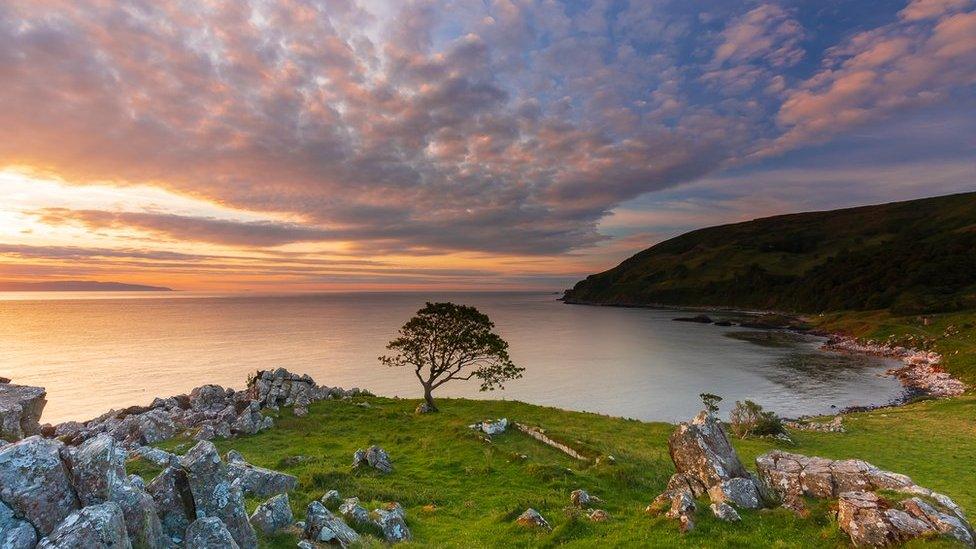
[[374, 457], [835, 425], [322, 525], [707, 464], [583, 500], [208, 412], [922, 370], [489, 427], [867, 517], [55, 495]]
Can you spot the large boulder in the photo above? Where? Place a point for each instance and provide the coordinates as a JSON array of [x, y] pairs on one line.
[[99, 526], [170, 491], [275, 388], [97, 466], [209, 533], [35, 484], [213, 398], [323, 526], [272, 515], [15, 533], [869, 521], [20, 410], [214, 495], [146, 428], [258, 481]]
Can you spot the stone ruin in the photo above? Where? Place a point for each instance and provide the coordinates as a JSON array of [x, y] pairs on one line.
[[706, 464]]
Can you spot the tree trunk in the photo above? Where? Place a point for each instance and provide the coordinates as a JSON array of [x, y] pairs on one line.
[[429, 398]]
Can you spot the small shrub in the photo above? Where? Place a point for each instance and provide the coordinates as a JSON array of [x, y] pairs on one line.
[[710, 401], [749, 419]]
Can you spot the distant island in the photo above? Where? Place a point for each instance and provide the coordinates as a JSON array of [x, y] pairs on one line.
[[78, 286], [907, 257]]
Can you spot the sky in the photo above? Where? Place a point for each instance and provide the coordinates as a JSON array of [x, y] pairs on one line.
[[454, 144]]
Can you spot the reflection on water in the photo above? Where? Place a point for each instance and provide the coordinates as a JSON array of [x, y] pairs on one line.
[[94, 354]]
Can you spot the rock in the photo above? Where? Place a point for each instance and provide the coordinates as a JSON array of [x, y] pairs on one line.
[[170, 491], [280, 387], [94, 527], [724, 511], [374, 457], [331, 498], [233, 456], [423, 408], [35, 484], [142, 522], [322, 525], [393, 522], [67, 428], [700, 319], [208, 398], [15, 533], [599, 515], [272, 515], [209, 533], [945, 523], [97, 467], [581, 498], [740, 491], [258, 481], [682, 503], [532, 519], [146, 428], [353, 511], [305, 544], [702, 450], [20, 410], [494, 427], [861, 516], [156, 456], [214, 495]]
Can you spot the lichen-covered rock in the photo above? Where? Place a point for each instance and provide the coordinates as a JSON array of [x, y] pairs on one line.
[[322, 525], [946, 523], [20, 410], [214, 495], [35, 484], [258, 481], [352, 511], [170, 491], [532, 519], [331, 498], [15, 533], [148, 427], [702, 450], [97, 466], [272, 515], [724, 511], [740, 491], [99, 526], [209, 533], [280, 387], [156, 456], [210, 397], [393, 522], [142, 522], [374, 457], [581, 498], [490, 428]]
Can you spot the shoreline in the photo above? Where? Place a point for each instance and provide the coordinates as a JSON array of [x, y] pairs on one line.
[[922, 374]]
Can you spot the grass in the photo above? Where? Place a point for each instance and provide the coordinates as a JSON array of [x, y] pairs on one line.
[[461, 491]]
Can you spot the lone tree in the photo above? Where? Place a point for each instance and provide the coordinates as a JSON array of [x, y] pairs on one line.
[[446, 341]]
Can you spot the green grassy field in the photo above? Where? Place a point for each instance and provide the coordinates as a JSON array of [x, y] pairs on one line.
[[460, 491]]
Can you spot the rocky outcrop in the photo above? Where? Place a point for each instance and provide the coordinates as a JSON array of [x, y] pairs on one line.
[[35, 484], [209, 533], [95, 527], [706, 464], [323, 526], [208, 412], [272, 515], [258, 481], [15, 533], [353, 512], [374, 457], [170, 491], [20, 410], [215, 495], [835, 425], [922, 370], [490, 428], [867, 518]]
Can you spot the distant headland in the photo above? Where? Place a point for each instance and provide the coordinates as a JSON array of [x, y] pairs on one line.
[[78, 286]]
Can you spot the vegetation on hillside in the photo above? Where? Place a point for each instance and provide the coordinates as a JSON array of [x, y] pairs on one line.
[[910, 257], [460, 491]]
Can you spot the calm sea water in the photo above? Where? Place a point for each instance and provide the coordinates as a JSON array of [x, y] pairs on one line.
[[94, 352]]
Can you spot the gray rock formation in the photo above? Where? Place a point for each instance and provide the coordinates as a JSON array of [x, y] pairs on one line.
[[331, 498], [99, 526], [258, 481], [15, 533], [35, 484], [353, 512], [209, 533], [214, 495], [273, 515], [20, 410], [170, 491], [392, 520], [374, 457], [323, 526]]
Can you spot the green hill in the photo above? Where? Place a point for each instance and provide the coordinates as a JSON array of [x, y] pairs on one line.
[[909, 257]]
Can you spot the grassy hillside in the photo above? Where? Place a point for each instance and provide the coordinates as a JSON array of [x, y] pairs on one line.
[[460, 491], [909, 257]]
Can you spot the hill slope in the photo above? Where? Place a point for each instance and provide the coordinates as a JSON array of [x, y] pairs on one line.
[[910, 257]]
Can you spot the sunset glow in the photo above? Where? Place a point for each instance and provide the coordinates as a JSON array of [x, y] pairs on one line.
[[402, 145]]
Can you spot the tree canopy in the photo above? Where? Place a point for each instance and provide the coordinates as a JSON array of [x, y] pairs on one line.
[[447, 341]]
